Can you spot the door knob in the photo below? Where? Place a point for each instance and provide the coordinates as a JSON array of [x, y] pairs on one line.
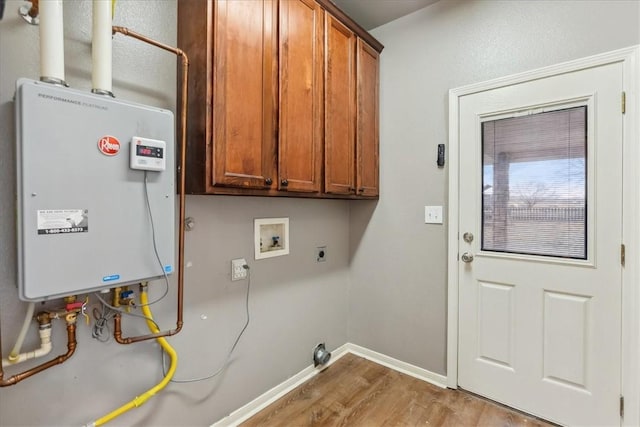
[[467, 257]]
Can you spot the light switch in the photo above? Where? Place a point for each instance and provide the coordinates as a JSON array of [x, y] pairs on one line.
[[433, 214]]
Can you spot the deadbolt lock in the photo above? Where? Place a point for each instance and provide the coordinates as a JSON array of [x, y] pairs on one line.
[[467, 237]]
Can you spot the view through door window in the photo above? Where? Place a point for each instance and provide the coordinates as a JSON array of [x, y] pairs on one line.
[[534, 194]]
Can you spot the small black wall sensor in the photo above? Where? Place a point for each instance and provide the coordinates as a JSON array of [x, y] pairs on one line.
[[440, 155]]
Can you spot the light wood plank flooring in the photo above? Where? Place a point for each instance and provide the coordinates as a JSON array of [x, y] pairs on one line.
[[357, 392]]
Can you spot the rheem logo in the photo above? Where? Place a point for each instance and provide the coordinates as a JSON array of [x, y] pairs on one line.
[[109, 145]]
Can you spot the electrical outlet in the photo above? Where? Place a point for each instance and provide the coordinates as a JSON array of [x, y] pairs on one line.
[[238, 272]]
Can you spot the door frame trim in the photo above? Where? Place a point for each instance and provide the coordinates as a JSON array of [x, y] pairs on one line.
[[630, 375]]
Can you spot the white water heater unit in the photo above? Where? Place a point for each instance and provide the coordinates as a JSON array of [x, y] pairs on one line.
[[96, 191]]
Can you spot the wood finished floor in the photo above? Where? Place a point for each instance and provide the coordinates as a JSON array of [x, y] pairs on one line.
[[357, 392]]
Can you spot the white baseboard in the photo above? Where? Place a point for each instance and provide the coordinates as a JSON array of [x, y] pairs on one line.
[[250, 409], [259, 403], [397, 365]]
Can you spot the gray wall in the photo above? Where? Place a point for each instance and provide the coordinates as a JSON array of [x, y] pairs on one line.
[[397, 298], [383, 285], [295, 302]]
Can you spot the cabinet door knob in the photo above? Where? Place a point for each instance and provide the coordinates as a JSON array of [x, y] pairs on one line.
[[268, 181], [284, 182], [361, 190]]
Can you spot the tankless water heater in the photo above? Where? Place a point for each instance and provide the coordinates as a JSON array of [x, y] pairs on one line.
[[83, 221]]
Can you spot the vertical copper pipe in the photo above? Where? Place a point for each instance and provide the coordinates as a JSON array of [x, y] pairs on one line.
[[117, 328], [117, 331], [71, 348]]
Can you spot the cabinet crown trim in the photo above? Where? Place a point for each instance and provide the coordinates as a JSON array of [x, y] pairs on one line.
[[332, 8]]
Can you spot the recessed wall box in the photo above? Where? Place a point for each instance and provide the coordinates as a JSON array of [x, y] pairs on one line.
[[83, 223], [271, 237]]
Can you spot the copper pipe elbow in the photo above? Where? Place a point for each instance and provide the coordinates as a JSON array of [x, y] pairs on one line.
[[71, 348]]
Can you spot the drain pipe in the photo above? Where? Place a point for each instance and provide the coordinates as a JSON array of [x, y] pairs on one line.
[[44, 329], [101, 48], [51, 42], [70, 319], [15, 351]]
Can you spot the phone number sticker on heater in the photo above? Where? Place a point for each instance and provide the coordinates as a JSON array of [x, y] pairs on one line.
[[63, 221]]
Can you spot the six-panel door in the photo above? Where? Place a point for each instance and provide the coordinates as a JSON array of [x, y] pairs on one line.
[[541, 281]]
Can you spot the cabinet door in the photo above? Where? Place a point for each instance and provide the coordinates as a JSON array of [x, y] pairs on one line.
[[367, 137], [244, 88], [339, 107], [301, 83]]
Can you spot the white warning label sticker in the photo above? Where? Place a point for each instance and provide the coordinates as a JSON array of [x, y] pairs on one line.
[[63, 221]]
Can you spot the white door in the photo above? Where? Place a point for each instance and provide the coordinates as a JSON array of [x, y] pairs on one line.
[[540, 187]]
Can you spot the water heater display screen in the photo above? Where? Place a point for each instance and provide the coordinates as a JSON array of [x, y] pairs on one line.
[[148, 154], [146, 151]]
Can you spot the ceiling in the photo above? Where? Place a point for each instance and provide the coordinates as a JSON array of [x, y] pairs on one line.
[[373, 13]]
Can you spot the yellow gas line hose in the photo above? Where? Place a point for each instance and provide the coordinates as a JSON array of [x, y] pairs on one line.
[[173, 356]]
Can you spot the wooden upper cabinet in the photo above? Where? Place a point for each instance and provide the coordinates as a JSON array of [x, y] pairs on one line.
[[301, 54], [283, 99], [244, 93], [339, 104], [367, 120]]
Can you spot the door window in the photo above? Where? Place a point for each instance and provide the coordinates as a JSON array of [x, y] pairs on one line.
[[534, 193]]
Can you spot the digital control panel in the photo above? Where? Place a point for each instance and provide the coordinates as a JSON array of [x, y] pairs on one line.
[[148, 154]]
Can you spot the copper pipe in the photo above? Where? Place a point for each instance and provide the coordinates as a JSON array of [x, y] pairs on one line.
[[71, 348], [35, 8], [117, 331]]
